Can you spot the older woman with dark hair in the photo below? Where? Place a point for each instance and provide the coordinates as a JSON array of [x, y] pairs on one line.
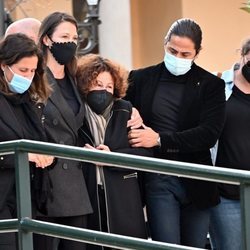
[[22, 94], [114, 192]]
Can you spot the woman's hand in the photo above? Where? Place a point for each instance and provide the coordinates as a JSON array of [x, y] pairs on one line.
[[100, 147], [145, 137], [103, 147], [41, 161], [135, 119], [88, 146]]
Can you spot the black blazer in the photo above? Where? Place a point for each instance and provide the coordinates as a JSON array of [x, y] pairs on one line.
[[201, 119], [70, 196]]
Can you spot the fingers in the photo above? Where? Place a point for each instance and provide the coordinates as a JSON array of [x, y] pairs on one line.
[[88, 146], [41, 161], [100, 147], [135, 143], [103, 147], [44, 161], [145, 137], [135, 120], [134, 133], [144, 126]]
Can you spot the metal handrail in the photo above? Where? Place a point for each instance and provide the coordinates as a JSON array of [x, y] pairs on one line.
[[147, 164], [25, 225]]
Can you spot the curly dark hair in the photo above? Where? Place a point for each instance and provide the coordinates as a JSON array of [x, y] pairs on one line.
[[91, 65]]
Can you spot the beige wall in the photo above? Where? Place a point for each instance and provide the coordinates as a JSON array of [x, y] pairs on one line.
[[224, 27], [150, 20], [134, 33]]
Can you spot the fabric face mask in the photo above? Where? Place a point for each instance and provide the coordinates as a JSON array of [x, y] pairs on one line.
[[177, 66], [99, 100], [246, 71], [63, 52], [18, 83]]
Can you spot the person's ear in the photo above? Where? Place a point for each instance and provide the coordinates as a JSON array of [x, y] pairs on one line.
[[46, 41], [3, 66]]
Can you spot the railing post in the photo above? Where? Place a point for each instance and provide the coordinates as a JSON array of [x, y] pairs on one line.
[[25, 239], [245, 211]]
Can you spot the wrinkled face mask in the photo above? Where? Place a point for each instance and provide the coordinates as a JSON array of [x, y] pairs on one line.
[[63, 52], [99, 100], [18, 83], [177, 66], [245, 70]]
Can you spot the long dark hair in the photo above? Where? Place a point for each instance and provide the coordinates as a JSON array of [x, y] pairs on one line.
[[186, 27], [48, 27], [16, 47]]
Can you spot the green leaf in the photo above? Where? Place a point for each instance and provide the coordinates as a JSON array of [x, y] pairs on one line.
[[247, 9]]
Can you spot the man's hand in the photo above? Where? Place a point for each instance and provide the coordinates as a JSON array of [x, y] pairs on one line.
[[145, 137], [135, 119]]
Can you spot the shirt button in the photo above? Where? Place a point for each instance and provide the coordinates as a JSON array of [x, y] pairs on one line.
[[65, 166]]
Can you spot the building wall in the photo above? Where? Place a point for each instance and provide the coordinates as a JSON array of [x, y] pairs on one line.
[[38, 8], [150, 21], [115, 31], [132, 31], [224, 27]]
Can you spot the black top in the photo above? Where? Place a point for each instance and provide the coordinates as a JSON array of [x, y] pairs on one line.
[[68, 93], [25, 112], [234, 143], [165, 108], [200, 121]]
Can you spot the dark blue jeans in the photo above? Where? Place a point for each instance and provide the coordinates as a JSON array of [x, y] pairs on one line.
[[225, 225], [172, 217]]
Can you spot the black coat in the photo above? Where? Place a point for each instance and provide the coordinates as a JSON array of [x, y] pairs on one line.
[[201, 119], [70, 196], [19, 119], [123, 201]]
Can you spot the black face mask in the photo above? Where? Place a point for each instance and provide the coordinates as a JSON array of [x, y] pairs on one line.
[[63, 52], [246, 71], [99, 100]]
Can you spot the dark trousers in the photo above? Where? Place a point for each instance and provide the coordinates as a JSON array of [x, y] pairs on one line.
[[172, 217], [7, 240], [42, 242]]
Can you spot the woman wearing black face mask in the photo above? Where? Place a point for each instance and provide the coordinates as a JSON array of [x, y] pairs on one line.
[[232, 151], [64, 112], [114, 192]]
